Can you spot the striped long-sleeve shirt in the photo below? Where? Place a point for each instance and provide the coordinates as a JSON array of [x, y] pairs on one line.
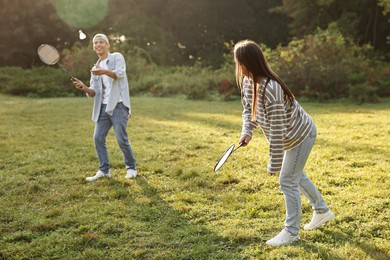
[[284, 123]]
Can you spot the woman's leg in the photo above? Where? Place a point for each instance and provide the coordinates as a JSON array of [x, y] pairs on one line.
[[291, 177], [310, 191]]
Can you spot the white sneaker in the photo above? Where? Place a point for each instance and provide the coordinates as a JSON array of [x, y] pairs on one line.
[[98, 175], [319, 219], [283, 238], [131, 174]]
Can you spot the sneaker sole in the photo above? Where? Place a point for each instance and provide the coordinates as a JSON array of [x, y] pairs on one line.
[[296, 239], [330, 217], [91, 179]]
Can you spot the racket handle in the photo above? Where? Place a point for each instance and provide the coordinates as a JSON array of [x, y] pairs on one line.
[[71, 77], [240, 145]]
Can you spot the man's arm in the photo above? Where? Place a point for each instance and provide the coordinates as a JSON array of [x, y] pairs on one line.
[[80, 85], [99, 71]]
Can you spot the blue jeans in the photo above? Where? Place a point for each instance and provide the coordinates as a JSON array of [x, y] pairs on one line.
[[294, 181], [118, 120]]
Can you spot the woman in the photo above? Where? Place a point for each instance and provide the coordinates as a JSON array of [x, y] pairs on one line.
[[290, 131]]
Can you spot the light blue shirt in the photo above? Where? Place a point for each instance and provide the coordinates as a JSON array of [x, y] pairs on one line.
[[119, 86]]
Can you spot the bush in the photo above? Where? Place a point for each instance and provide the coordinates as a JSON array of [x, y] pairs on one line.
[[363, 93], [380, 78], [37, 82], [7, 75], [194, 82], [326, 65], [322, 66], [79, 60]]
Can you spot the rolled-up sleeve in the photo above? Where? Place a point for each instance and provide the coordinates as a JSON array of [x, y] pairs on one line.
[[120, 66]]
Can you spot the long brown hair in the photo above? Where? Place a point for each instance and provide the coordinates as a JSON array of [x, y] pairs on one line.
[[249, 54]]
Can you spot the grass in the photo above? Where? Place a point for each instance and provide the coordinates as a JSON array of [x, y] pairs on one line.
[[178, 208]]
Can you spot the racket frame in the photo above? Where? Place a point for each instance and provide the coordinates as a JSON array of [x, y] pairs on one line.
[[55, 61], [232, 150]]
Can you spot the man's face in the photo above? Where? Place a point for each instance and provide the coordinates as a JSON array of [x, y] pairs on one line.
[[100, 47]]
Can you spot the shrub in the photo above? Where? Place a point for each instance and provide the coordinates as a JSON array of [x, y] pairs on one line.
[[380, 78], [37, 82], [141, 70], [7, 75], [363, 93], [325, 66], [225, 76], [78, 60], [194, 82]]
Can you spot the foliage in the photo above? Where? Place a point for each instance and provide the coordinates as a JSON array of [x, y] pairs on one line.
[[37, 82], [386, 10], [327, 65], [194, 82], [359, 19], [178, 32], [386, 6], [178, 208], [182, 32], [24, 25], [79, 60], [145, 77]]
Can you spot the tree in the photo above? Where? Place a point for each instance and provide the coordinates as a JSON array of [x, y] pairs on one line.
[[386, 10], [24, 25], [360, 19]]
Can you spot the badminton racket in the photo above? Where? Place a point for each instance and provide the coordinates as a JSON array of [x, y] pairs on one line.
[[226, 155], [50, 55]]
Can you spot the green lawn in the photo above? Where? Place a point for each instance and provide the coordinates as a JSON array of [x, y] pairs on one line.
[[178, 208]]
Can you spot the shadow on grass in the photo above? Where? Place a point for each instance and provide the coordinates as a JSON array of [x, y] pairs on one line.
[[166, 233], [342, 239], [371, 250]]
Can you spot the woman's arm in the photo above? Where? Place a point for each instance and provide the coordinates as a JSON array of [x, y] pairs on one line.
[[247, 124], [278, 121]]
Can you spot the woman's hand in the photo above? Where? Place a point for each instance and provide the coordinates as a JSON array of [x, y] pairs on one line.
[[245, 139]]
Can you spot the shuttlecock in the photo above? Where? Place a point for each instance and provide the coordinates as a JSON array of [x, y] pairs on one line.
[[82, 35]]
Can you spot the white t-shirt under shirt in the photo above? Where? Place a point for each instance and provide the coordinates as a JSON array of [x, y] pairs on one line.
[[107, 82]]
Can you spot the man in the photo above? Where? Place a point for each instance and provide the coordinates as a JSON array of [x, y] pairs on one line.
[[110, 90]]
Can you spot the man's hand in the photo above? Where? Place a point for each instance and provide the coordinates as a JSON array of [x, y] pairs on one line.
[[78, 83], [98, 70], [245, 139]]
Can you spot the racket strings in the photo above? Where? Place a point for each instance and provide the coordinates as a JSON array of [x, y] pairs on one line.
[[48, 54], [224, 158]]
